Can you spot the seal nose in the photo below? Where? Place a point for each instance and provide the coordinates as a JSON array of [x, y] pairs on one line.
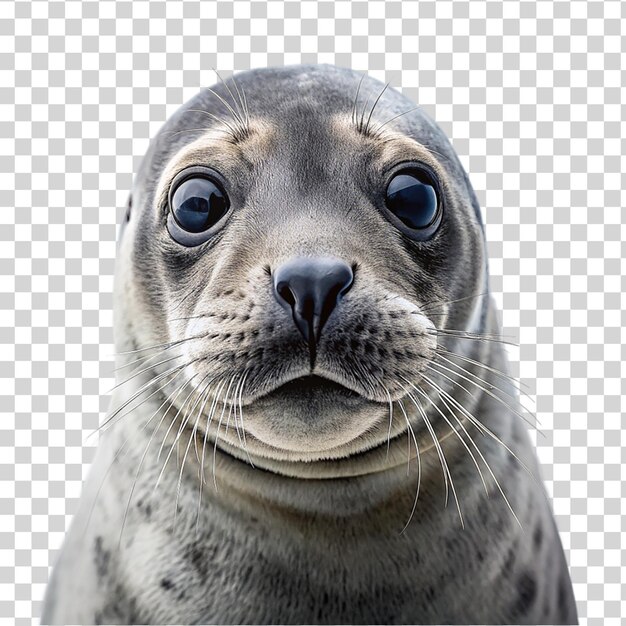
[[311, 287]]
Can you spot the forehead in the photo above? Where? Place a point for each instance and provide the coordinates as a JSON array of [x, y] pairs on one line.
[[305, 140], [296, 106], [302, 132]]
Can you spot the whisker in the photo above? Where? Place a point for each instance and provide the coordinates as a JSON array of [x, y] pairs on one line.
[[238, 121], [467, 333], [408, 440], [367, 377], [237, 113], [149, 357], [210, 414], [432, 434], [243, 428], [361, 119], [456, 432], [230, 412], [484, 429], [141, 390], [442, 456], [217, 433], [419, 468], [439, 154], [142, 371], [369, 117], [486, 382], [490, 384], [390, 421], [395, 117], [494, 478], [462, 334], [499, 373], [487, 391], [241, 117], [245, 104], [192, 437], [176, 373], [146, 358], [145, 388], [167, 432], [188, 412], [217, 118], [356, 97], [166, 345], [119, 452], [190, 317], [242, 100], [441, 303], [176, 391], [204, 403], [229, 132]]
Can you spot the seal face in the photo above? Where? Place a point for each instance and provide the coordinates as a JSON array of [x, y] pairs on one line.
[[301, 291], [295, 255]]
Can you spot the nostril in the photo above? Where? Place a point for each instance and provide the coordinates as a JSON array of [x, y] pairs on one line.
[[286, 294]]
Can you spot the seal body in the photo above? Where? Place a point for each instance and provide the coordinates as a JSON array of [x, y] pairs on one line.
[[313, 422]]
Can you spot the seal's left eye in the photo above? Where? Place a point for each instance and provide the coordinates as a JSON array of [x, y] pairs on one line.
[[412, 197], [197, 204]]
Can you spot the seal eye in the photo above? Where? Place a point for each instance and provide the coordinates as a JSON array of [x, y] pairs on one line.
[[197, 204], [412, 198]]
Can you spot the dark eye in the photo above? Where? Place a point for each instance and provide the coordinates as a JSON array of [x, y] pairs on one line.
[[412, 198], [198, 204]]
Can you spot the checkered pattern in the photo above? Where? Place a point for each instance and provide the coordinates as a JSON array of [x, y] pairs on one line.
[[530, 94]]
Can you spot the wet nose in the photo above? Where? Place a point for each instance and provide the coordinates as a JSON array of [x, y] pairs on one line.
[[310, 288]]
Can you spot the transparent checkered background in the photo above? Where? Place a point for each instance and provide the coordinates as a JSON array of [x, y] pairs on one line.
[[530, 94]]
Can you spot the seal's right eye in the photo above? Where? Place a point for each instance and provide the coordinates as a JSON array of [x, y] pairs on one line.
[[197, 204]]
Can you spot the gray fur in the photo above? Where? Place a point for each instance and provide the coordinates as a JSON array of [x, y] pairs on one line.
[[304, 521]]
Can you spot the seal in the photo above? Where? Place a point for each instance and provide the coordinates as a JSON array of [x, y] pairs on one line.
[[313, 420]]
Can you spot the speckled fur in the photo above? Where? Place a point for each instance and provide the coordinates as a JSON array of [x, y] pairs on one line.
[[311, 532]]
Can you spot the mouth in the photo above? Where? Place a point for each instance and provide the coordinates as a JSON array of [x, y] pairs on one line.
[[308, 416], [312, 389]]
